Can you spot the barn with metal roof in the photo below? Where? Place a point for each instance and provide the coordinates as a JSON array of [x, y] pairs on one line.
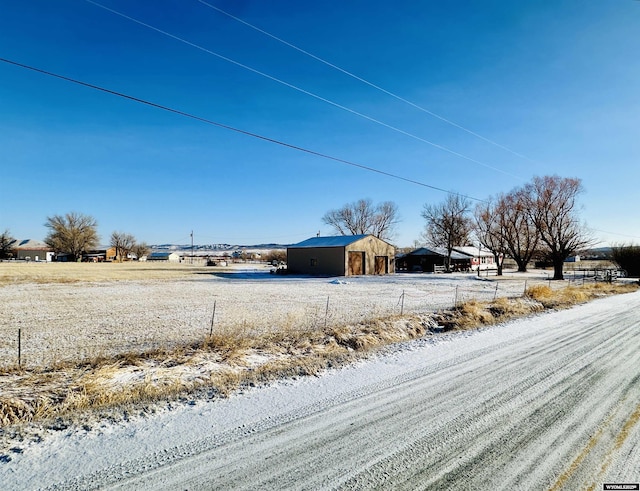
[[343, 255]]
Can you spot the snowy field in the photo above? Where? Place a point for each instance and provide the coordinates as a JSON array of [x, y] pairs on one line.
[[72, 321], [548, 402]]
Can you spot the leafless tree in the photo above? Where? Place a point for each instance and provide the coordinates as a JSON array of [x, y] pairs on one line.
[[503, 226], [141, 249], [448, 224], [6, 244], [489, 229], [520, 233], [362, 217], [551, 202], [123, 244], [73, 234]]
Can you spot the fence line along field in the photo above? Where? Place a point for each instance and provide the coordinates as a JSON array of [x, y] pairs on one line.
[[69, 312]]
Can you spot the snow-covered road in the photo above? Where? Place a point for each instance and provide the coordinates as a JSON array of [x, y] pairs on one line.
[[550, 402]]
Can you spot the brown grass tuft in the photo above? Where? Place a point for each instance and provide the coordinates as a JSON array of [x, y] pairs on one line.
[[474, 313], [539, 292]]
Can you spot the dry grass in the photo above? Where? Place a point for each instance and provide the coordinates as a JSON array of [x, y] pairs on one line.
[[473, 313], [44, 273], [231, 358], [566, 297]]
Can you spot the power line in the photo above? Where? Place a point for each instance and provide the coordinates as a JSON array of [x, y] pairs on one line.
[[231, 128], [365, 81], [615, 233], [304, 91]]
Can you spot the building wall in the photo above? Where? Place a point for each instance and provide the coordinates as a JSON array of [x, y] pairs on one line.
[[32, 254], [372, 247], [316, 260], [110, 254]]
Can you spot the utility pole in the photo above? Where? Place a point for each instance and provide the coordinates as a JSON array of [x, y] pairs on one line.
[[192, 247]]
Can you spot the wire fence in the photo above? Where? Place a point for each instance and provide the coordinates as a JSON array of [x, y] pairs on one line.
[[42, 326]]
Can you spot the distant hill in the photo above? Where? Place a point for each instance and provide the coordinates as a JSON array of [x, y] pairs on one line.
[[215, 247], [597, 253]]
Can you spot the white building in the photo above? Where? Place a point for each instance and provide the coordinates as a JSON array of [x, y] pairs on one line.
[[482, 259]]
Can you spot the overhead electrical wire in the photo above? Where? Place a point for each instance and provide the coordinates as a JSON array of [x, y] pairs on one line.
[[231, 128], [365, 81], [299, 89], [615, 233]]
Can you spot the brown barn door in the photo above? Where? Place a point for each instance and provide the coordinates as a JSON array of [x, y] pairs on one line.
[[382, 265], [356, 263]]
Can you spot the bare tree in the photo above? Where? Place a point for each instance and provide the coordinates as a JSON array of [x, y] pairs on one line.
[[520, 233], [6, 244], [504, 227], [73, 234], [448, 224], [362, 217], [489, 229], [141, 249], [123, 244], [551, 204]]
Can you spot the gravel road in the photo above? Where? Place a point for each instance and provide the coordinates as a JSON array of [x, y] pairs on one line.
[[550, 402]]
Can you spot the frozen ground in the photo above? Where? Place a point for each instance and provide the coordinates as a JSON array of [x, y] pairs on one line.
[[549, 402], [71, 321]]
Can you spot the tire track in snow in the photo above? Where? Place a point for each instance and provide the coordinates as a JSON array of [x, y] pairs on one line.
[[487, 435]]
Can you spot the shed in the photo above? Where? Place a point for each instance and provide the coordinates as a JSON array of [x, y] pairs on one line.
[[173, 257], [428, 260], [343, 255], [31, 249]]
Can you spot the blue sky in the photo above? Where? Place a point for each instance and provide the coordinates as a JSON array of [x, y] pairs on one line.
[[556, 82]]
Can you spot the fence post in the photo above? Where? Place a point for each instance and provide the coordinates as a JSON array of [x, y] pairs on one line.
[[525, 288], [213, 317], [326, 312], [19, 346], [455, 302], [495, 294], [402, 303]]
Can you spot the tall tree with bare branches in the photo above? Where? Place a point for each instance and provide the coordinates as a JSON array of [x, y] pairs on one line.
[[123, 244], [520, 233], [141, 249], [489, 229], [448, 224], [551, 202], [363, 217], [73, 234]]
